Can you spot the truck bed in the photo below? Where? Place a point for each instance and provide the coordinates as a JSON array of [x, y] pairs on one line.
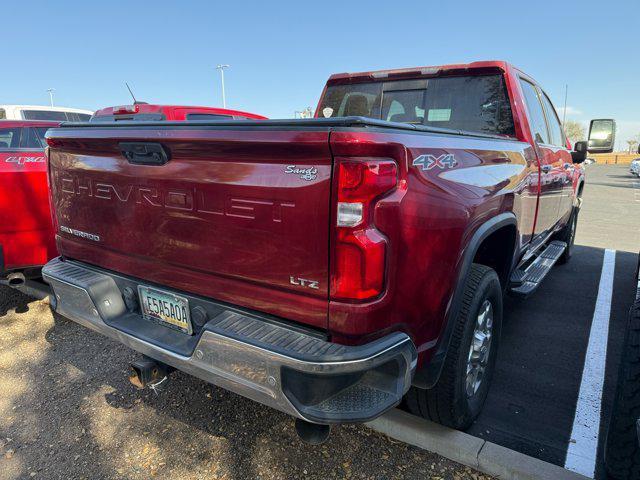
[[242, 211]]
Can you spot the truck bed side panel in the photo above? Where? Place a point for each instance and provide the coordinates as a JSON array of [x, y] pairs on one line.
[[429, 221]]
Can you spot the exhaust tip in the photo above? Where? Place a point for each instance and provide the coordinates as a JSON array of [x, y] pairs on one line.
[[15, 279], [312, 433]]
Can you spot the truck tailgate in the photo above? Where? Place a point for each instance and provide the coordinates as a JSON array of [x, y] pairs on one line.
[[239, 214]]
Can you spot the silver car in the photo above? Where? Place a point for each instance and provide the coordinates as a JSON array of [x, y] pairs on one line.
[[634, 168]]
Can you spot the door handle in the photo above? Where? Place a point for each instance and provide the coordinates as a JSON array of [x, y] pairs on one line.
[[546, 168]]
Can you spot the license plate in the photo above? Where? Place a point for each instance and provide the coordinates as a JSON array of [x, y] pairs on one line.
[[165, 308]]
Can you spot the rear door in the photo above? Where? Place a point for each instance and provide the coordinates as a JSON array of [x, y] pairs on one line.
[[562, 157], [235, 214], [551, 164]]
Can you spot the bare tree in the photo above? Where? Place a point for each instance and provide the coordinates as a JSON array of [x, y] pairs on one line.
[[632, 145], [575, 131]]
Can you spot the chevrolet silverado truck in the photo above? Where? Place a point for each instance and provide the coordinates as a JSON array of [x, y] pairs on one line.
[[26, 234], [325, 267]]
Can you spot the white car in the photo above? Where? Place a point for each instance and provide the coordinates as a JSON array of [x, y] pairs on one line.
[[41, 112], [634, 168]]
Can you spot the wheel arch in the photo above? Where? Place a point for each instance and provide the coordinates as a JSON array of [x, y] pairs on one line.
[[427, 376]]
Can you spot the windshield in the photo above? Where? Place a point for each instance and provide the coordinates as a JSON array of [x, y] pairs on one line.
[[477, 103]]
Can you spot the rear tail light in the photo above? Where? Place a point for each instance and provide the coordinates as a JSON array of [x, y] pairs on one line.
[[360, 249], [52, 211], [125, 109]]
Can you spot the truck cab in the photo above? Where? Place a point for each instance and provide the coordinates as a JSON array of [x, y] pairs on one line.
[[44, 113]]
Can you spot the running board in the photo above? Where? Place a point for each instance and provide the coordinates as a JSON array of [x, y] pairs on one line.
[[525, 282]]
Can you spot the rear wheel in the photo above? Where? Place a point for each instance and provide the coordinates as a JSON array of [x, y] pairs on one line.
[[458, 396]]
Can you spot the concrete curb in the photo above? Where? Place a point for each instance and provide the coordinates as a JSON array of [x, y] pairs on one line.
[[463, 448]]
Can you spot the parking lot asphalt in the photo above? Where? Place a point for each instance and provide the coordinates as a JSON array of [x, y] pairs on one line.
[[533, 399], [68, 411]]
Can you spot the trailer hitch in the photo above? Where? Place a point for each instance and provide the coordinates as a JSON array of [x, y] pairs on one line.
[[148, 372]]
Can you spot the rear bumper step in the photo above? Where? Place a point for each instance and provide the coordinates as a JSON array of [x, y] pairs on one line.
[[271, 363]]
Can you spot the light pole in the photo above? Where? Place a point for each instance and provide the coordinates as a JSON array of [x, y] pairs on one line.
[[51, 90], [221, 68]]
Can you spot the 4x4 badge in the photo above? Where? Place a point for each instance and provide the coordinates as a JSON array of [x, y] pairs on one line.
[[427, 162]]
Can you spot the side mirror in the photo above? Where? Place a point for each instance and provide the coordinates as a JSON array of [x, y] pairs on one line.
[[602, 135], [639, 149], [579, 153]]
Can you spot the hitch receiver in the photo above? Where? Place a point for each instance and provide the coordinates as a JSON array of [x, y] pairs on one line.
[[147, 372]]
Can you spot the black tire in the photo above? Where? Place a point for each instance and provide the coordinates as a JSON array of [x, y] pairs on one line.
[[448, 402], [622, 453], [568, 235]]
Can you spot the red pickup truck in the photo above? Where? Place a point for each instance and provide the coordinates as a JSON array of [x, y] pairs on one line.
[[26, 235], [142, 111], [325, 267]]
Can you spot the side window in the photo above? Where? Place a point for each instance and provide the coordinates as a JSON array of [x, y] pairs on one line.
[[557, 134], [31, 140], [208, 116], [536, 114], [9, 138]]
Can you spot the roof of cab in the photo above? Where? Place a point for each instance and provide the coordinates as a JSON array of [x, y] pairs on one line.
[[425, 71], [155, 108]]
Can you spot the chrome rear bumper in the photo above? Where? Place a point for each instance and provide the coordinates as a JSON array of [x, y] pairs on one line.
[[266, 361]]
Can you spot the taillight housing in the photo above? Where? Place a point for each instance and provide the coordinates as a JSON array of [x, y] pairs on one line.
[[52, 210], [359, 264]]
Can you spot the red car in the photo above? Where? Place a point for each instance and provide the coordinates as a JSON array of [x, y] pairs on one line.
[[26, 235], [146, 112], [325, 267]]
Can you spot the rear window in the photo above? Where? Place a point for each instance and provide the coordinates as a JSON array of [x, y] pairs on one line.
[[44, 115], [22, 138], [477, 103], [208, 116], [58, 116]]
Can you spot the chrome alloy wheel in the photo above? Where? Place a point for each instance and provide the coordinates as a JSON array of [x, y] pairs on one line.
[[480, 349]]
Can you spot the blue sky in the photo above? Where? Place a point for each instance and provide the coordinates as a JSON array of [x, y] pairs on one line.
[[282, 52]]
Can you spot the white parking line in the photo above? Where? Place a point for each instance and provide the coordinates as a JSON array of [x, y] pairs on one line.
[[583, 447]]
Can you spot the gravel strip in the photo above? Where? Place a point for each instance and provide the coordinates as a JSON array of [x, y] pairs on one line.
[[67, 410]]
